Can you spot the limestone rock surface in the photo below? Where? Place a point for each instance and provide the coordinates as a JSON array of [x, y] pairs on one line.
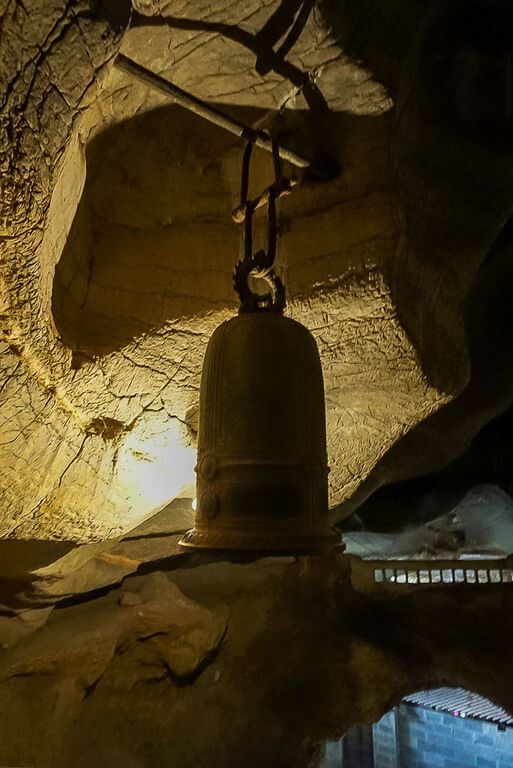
[[116, 245]]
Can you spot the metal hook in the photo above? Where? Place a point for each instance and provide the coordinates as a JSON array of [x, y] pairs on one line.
[[260, 264]]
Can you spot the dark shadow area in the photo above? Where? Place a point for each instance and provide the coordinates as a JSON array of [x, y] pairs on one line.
[[451, 150], [398, 506], [19, 557], [152, 240], [465, 67], [464, 56], [451, 450], [18, 560], [379, 35]]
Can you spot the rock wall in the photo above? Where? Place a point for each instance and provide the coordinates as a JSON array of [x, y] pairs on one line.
[[236, 664], [116, 247]]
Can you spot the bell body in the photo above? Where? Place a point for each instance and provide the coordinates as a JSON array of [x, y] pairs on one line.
[[262, 465]]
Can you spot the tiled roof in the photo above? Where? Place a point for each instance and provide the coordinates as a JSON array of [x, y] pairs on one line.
[[461, 703]]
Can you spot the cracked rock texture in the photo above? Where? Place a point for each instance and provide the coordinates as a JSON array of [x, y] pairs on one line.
[[116, 254], [116, 245]]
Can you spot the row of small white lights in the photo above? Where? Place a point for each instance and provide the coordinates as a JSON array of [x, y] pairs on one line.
[[443, 576]]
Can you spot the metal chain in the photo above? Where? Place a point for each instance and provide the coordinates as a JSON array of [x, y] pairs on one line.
[[260, 264]]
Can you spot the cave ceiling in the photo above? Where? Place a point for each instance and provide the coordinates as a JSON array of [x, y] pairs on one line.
[[117, 245]]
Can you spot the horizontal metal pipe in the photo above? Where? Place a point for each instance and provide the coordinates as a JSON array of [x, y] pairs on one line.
[[213, 115]]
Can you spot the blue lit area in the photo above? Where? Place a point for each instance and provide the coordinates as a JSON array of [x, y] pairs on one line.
[[444, 728]]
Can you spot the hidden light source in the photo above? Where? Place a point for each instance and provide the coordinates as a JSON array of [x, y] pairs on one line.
[[154, 466]]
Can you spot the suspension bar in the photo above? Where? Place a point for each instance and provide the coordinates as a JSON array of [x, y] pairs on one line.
[[206, 111]]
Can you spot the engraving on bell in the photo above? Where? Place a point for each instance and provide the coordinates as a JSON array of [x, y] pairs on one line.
[[208, 504], [207, 467], [262, 464]]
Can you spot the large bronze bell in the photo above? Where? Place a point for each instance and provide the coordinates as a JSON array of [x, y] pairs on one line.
[[262, 466]]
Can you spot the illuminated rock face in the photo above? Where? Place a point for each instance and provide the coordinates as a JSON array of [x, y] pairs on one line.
[[116, 245]]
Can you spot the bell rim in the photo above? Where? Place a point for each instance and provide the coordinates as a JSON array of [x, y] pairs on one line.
[[232, 541]]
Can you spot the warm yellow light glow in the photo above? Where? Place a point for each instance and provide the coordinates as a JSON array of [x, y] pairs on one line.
[[155, 466]]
